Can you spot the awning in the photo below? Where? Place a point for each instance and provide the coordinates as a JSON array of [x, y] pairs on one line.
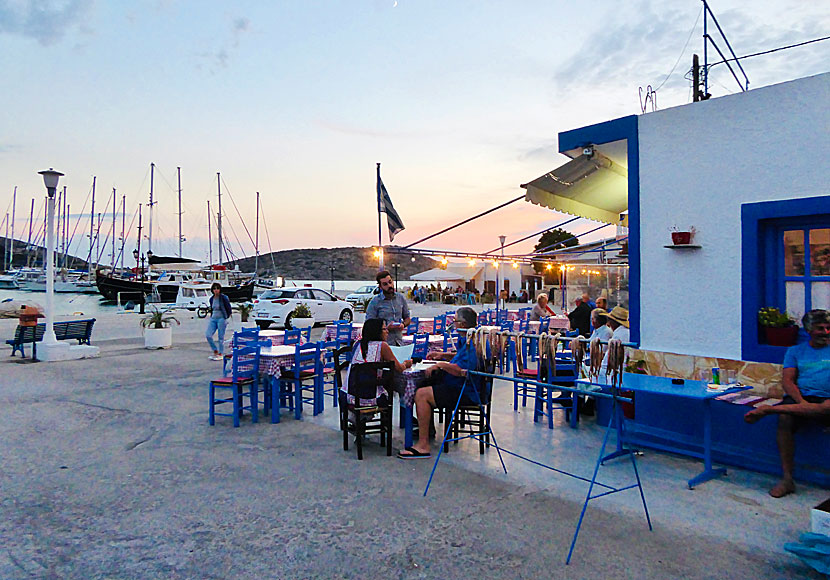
[[593, 187], [437, 275]]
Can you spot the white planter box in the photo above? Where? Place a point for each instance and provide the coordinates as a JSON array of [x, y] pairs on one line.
[[301, 322], [820, 518], [158, 337]]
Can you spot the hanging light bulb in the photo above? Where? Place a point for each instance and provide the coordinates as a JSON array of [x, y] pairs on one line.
[[472, 261], [515, 264]]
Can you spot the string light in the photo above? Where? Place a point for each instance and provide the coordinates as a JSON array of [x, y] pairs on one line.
[[472, 262], [516, 265]]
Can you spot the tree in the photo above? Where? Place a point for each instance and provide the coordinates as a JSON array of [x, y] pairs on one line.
[[552, 240]]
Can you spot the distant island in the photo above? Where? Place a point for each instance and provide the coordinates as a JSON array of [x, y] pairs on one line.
[[351, 263]]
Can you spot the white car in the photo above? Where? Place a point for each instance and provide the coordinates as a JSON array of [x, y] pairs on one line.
[[275, 306], [361, 297]]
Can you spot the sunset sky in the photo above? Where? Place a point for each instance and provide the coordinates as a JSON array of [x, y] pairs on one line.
[[460, 100]]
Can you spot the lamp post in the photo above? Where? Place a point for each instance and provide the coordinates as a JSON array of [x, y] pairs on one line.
[[136, 256], [498, 272], [331, 271], [50, 180], [396, 266]]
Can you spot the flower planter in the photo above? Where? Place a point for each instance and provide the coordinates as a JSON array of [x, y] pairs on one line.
[[158, 337], [681, 238], [301, 322], [781, 336]]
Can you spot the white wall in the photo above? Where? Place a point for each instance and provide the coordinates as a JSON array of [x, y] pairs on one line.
[[698, 163]]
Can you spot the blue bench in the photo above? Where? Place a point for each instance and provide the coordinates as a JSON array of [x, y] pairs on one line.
[[80, 330]]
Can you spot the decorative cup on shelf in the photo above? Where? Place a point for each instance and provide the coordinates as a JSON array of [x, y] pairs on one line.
[[681, 237]]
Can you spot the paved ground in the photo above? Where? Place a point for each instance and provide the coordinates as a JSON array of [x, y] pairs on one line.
[[110, 470]]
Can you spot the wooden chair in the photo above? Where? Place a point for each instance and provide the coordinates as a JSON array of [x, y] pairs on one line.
[[244, 372], [360, 420]]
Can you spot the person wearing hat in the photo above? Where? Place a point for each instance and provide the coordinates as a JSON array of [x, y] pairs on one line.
[[601, 330], [617, 321]]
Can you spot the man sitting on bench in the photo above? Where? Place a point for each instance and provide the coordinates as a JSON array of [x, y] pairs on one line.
[[806, 382]]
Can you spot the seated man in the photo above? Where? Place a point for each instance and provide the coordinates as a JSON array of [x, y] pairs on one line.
[[443, 384], [806, 382]]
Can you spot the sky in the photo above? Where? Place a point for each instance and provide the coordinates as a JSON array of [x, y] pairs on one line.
[[460, 100]]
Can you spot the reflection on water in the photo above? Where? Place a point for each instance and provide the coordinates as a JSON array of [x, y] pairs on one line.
[[88, 304]]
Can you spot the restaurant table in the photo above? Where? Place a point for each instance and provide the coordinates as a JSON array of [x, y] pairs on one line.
[[331, 331], [689, 389], [272, 359], [277, 338], [413, 377]]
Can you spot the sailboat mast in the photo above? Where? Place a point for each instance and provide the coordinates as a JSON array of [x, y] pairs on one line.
[[179, 175], [29, 240], [98, 242], [123, 226], [219, 216], [66, 226], [256, 240], [59, 221], [6, 244], [210, 242], [65, 245], [91, 227], [138, 241], [150, 225], [114, 216], [11, 245]]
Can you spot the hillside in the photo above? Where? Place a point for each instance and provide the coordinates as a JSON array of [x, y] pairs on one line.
[[350, 264]]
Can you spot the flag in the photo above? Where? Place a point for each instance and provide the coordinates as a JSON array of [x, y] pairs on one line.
[[393, 220]]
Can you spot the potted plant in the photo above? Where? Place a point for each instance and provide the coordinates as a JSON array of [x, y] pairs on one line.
[[681, 237], [300, 317], [779, 329], [245, 309], [157, 329]]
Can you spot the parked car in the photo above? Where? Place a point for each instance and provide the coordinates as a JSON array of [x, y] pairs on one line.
[[275, 306], [361, 297]]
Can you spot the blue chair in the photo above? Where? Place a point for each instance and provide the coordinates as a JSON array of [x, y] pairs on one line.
[[547, 401], [507, 325], [413, 326], [524, 324], [524, 313], [292, 336], [305, 333], [245, 337], [440, 324], [544, 324], [451, 340], [521, 370], [343, 333], [328, 349], [307, 366], [244, 372], [420, 346]]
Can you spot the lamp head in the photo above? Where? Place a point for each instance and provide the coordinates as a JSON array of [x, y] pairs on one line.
[[135, 254], [50, 180], [149, 254]]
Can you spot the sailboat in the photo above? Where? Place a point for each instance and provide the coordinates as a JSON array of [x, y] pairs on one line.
[[165, 274]]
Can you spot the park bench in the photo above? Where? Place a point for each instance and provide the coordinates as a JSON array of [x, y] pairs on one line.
[[80, 330]]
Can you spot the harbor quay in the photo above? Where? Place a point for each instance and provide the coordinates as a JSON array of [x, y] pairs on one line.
[[110, 470]]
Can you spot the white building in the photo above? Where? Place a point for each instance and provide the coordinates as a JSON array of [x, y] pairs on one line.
[[749, 173]]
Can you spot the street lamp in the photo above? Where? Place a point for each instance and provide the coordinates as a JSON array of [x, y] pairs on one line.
[[50, 180], [136, 255], [499, 275], [331, 271], [396, 266]]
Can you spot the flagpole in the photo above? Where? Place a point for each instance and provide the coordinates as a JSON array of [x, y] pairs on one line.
[[380, 242]]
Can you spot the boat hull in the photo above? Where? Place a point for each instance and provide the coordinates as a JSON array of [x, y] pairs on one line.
[[112, 287]]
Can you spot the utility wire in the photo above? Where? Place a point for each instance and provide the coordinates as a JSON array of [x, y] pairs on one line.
[[682, 52], [539, 233], [463, 222], [771, 50], [547, 250]]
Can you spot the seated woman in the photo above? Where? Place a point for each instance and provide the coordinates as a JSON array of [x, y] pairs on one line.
[[541, 308], [372, 348]]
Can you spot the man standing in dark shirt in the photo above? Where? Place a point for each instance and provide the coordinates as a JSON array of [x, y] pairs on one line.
[[580, 318]]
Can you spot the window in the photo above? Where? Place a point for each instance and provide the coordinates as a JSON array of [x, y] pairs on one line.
[[785, 263], [322, 295]]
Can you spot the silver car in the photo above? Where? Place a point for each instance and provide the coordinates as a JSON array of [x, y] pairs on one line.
[[361, 297]]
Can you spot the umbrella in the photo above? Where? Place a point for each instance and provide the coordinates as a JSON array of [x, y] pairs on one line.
[[436, 275]]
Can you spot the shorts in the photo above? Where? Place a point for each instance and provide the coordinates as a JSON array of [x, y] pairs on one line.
[[446, 396], [798, 422]]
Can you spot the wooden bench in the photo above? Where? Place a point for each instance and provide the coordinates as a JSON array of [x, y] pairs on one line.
[[80, 330]]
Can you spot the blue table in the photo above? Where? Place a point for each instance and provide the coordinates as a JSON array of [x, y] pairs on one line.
[[695, 390]]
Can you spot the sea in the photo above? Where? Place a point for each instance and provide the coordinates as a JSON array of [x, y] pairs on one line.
[[93, 304]]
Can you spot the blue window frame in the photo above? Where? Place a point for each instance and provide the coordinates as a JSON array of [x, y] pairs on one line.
[[786, 264]]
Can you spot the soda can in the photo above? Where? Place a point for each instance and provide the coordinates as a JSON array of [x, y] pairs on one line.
[[716, 375]]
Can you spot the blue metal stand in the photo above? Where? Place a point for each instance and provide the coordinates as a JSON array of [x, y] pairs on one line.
[[607, 489]]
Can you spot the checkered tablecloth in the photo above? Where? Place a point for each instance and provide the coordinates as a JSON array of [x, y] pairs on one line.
[[436, 342], [331, 331], [413, 376], [277, 338]]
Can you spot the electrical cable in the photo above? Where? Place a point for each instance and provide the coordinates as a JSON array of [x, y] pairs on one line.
[[770, 51]]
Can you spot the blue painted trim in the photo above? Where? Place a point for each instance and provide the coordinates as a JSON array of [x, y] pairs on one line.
[[608, 132], [761, 259]]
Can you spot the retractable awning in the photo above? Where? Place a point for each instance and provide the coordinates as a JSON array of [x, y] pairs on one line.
[[437, 275], [590, 186]]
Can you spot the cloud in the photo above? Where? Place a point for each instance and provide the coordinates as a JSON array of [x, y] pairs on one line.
[[221, 57], [640, 46], [47, 21], [346, 129]]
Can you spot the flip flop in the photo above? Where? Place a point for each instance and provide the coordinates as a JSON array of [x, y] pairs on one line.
[[412, 453]]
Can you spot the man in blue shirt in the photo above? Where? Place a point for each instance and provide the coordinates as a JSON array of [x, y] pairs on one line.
[[391, 307], [444, 382], [806, 382]]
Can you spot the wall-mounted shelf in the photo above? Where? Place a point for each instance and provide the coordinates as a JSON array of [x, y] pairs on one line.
[[683, 247]]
